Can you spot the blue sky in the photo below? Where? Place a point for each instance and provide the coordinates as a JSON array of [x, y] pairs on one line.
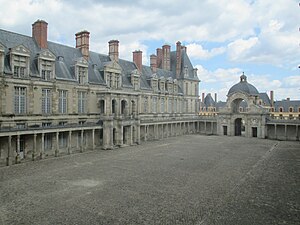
[[223, 38]]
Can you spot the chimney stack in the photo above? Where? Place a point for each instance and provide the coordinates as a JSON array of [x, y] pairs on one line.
[[272, 98], [159, 57], [203, 95], [153, 63], [216, 98], [83, 42], [166, 57], [137, 59], [114, 50], [183, 48], [39, 33], [178, 59]]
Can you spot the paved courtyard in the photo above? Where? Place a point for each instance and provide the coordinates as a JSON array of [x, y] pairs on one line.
[[182, 180]]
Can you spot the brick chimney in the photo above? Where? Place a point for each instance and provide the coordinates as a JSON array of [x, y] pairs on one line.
[[153, 63], [183, 48], [166, 57], [216, 98], [138, 59], [83, 42], [272, 98], [39, 33], [159, 57], [114, 50], [178, 59]]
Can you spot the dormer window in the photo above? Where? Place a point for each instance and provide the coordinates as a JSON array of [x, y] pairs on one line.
[[19, 61], [135, 79], [1, 58], [46, 65], [81, 71]]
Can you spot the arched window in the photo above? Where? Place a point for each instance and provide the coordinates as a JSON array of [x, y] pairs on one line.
[[113, 106], [280, 109], [291, 109]]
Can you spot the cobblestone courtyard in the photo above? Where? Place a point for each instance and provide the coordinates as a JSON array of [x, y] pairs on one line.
[[184, 180]]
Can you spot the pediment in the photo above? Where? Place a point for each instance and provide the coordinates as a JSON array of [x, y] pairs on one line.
[[47, 55], [82, 62], [112, 66], [135, 73], [20, 50]]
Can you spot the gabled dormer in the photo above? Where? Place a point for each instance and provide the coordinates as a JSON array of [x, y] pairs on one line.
[[161, 84], [175, 86], [2, 54], [46, 65], [154, 82], [19, 61], [135, 78], [112, 74], [81, 70]]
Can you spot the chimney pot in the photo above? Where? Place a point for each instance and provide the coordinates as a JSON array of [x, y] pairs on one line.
[[39, 33], [159, 57], [166, 57], [153, 63], [83, 42], [178, 59], [114, 50], [138, 59]]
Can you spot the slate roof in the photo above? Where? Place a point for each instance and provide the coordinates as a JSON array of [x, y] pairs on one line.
[[66, 56], [286, 104], [244, 87], [209, 101]]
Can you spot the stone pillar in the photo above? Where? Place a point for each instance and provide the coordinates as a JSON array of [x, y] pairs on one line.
[[121, 141], [34, 147], [93, 139], [138, 134], [204, 127], [107, 134], [130, 135], [81, 141], [56, 152], [297, 133], [9, 152], [145, 133], [42, 153], [70, 142], [171, 134], [212, 127], [18, 160], [275, 131], [285, 132]]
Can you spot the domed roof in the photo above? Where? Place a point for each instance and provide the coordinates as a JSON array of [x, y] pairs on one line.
[[243, 86]]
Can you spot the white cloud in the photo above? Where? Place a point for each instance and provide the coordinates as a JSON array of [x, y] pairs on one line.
[[198, 52]]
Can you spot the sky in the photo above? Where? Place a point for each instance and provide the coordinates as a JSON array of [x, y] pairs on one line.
[[223, 38]]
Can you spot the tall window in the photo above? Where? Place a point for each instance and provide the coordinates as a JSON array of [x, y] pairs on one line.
[[154, 105], [19, 63], [46, 101], [175, 106], [146, 105], [162, 105], [20, 100], [81, 102], [62, 107], [186, 88], [46, 70]]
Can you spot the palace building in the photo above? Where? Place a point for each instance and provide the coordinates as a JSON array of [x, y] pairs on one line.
[[57, 99]]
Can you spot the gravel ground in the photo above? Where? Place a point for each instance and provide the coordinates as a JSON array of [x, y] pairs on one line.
[[184, 180]]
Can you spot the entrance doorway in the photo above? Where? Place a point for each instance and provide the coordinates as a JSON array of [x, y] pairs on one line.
[[238, 127], [254, 131]]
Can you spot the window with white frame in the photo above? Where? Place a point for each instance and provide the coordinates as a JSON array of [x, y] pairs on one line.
[[169, 105], [19, 66], [46, 101], [62, 103], [154, 104], [46, 70], [81, 101], [20, 100], [82, 75]]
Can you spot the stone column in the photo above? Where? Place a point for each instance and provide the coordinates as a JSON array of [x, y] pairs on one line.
[[56, 152], [121, 136], [297, 133], [34, 147], [93, 139], [9, 152], [205, 127], [138, 134], [107, 134], [285, 132], [18, 160], [212, 127], [275, 131], [145, 133], [171, 130], [70, 142], [42, 153]]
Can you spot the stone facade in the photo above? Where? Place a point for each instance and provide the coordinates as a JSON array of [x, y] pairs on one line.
[[57, 100]]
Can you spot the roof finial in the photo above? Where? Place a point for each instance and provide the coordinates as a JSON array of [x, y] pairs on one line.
[[243, 77]]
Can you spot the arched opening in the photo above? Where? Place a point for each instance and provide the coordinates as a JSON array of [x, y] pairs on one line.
[[239, 127], [113, 106], [239, 105], [123, 106], [102, 106]]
